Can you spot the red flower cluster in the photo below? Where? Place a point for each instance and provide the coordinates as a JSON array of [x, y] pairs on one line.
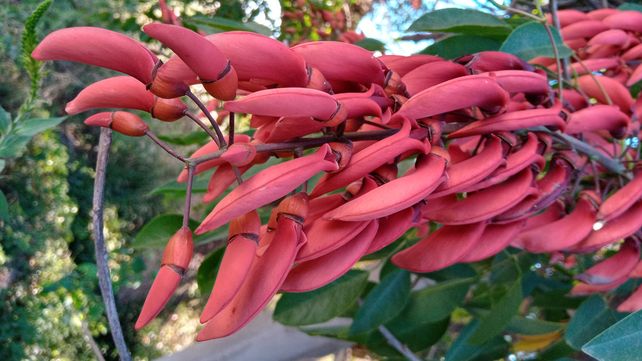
[[497, 156]]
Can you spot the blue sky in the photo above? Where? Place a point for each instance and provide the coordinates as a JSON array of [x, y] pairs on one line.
[[379, 23]]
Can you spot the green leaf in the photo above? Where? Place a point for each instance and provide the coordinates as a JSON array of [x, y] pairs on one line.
[[4, 207], [31, 127], [460, 21], [323, 304], [12, 146], [592, 317], [464, 350], [418, 336], [158, 231], [161, 228], [174, 188], [383, 303], [556, 352], [630, 6], [434, 303], [457, 271], [529, 326], [5, 120], [207, 271], [371, 44], [620, 342], [197, 137], [500, 314], [459, 45], [218, 24], [531, 40]]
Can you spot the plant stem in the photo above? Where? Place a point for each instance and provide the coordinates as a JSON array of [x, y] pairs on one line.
[[306, 143], [392, 341], [606, 161], [205, 111], [515, 11], [230, 128], [165, 146], [104, 279], [553, 6], [556, 54], [597, 82], [207, 130], [188, 195]]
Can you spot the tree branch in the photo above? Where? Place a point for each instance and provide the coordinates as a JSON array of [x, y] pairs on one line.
[[104, 279], [606, 161]]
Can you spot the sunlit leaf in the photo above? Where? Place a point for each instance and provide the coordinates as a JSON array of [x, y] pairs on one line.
[[620, 342], [460, 21], [459, 45], [592, 317], [531, 40], [31, 127]]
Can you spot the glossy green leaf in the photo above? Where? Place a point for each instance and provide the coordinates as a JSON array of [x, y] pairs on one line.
[[531, 40], [592, 317], [174, 188], [630, 6], [371, 44], [434, 303], [219, 24], [460, 21], [339, 331], [500, 314], [556, 352], [12, 146], [31, 127], [196, 137], [161, 228], [464, 350], [4, 207], [419, 337], [620, 342], [158, 231], [457, 271], [459, 45], [207, 271], [323, 304], [5, 120], [383, 303]]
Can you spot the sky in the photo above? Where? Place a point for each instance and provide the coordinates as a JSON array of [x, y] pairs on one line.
[[380, 23], [386, 25]]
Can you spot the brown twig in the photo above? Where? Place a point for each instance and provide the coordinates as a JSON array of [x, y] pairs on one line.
[[553, 6], [556, 54], [597, 82], [164, 146], [104, 279], [607, 162], [206, 112], [307, 143], [230, 128], [207, 130], [188, 195]]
